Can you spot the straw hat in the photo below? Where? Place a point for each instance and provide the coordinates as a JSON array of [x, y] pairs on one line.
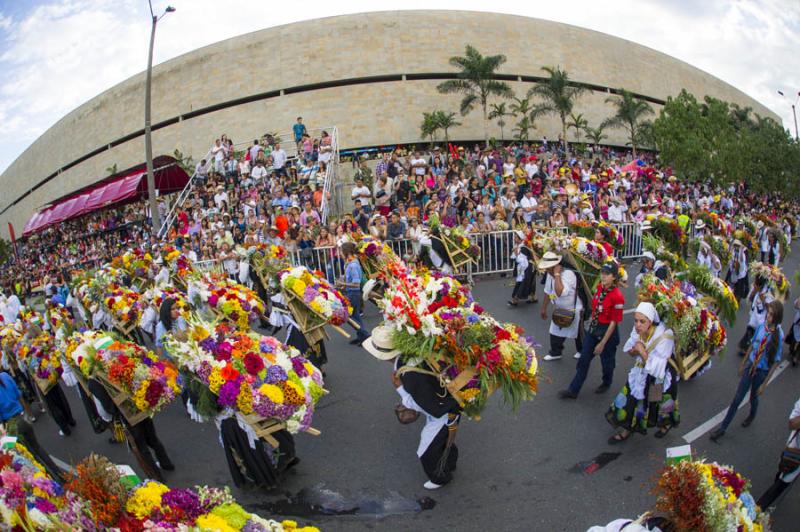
[[549, 260], [737, 242], [367, 289], [380, 344], [700, 224]]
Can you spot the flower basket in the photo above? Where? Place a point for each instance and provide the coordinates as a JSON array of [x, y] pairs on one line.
[[125, 330], [307, 320], [264, 428], [458, 255], [123, 401], [313, 301], [44, 385], [688, 365]]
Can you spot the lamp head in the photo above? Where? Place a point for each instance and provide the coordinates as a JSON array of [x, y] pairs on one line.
[[170, 9]]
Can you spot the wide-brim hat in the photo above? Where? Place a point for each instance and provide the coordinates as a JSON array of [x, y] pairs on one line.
[[380, 344], [549, 260], [367, 288], [737, 242], [700, 224]]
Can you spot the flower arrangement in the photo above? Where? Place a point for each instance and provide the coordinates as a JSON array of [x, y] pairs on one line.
[[157, 295], [613, 236], [774, 276], [42, 359], [582, 228], [151, 383], [697, 495], [747, 224], [231, 300], [792, 221], [669, 231], [376, 257], [249, 373], [268, 260], [96, 497], [59, 319], [180, 266], [657, 247], [718, 292], [454, 240], [123, 304], [316, 293], [136, 263], [746, 238]]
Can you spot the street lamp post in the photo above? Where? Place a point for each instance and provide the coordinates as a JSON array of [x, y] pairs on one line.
[[794, 111], [148, 141]]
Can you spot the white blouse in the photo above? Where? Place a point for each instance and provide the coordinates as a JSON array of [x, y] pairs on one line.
[[659, 349]]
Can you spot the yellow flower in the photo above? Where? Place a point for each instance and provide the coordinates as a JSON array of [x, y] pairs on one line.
[[215, 381], [272, 392], [145, 499], [299, 288], [244, 401], [211, 522]]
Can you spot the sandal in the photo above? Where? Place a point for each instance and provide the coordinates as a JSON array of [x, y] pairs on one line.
[[661, 432], [618, 437]]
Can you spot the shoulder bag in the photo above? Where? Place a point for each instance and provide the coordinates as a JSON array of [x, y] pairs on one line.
[[563, 317], [790, 457]]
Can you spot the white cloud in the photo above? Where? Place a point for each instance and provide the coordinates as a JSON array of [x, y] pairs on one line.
[[64, 52]]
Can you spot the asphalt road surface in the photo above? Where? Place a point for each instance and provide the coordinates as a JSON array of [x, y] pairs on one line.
[[547, 467]]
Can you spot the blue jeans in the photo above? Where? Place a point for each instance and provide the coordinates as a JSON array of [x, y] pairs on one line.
[[748, 382], [607, 359], [356, 302]]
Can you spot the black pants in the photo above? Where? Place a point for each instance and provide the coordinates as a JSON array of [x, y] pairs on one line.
[[557, 343], [59, 408], [744, 343], [26, 435], [773, 492], [430, 459], [145, 437]]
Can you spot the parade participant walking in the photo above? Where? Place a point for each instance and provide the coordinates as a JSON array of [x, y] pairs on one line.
[[788, 469], [352, 288], [737, 275], [561, 288], [169, 320], [757, 367], [524, 274], [602, 336], [650, 396], [421, 391], [760, 296]]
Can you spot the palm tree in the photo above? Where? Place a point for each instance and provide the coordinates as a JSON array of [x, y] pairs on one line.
[[629, 114], [445, 121], [578, 123], [522, 129], [595, 134], [429, 126], [476, 82], [500, 111], [558, 95]]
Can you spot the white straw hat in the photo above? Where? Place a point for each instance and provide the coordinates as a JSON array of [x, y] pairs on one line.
[[380, 344], [549, 260]]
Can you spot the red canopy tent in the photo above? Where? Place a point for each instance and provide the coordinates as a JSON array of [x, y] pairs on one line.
[[120, 188]]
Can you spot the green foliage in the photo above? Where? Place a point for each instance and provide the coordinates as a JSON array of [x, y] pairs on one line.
[[629, 113], [558, 95], [500, 111], [5, 250], [717, 141], [437, 120], [112, 169], [428, 127], [476, 82], [185, 161], [715, 289], [578, 123], [596, 134]]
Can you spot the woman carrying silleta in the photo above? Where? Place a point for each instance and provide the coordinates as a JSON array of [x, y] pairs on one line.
[[649, 398], [422, 391]]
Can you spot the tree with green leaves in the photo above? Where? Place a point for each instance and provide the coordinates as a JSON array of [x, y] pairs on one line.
[[476, 82], [522, 129], [578, 123], [629, 113], [5, 250], [429, 126], [445, 121], [500, 111], [596, 134], [558, 94]]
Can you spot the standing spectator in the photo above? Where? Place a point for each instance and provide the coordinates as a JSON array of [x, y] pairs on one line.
[[352, 289], [308, 215], [361, 192], [255, 151], [299, 129], [218, 151], [279, 160], [396, 229]]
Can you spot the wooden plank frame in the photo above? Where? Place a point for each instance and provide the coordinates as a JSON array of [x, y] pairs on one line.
[[123, 401]]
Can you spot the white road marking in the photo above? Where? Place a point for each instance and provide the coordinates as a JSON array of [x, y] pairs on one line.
[[696, 433]]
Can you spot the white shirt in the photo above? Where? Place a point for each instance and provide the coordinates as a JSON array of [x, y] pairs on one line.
[[567, 298], [659, 349], [219, 153], [219, 197], [361, 193], [419, 166], [758, 310], [278, 158], [522, 265], [793, 435], [530, 169], [614, 213], [259, 172], [528, 203], [508, 169]]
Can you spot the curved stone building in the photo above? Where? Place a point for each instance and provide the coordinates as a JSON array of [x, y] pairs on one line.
[[372, 75]]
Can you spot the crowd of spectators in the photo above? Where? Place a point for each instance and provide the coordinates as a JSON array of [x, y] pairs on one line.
[[260, 194]]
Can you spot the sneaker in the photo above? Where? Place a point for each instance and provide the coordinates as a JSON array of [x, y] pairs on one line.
[[431, 485], [717, 434], [576, 356], [603, 388], [566, 394], [747, 421], [551, 357]]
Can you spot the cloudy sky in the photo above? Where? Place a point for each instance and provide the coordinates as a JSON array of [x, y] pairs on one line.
[[56, 54]]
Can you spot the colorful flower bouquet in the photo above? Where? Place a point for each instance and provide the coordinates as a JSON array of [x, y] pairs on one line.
[[123, 305], [456, 243], [670, 232], [613, 236], [313, 300], [228, 299], [701, 496], [376, 257], [715, 289], [40, 356], [60, 320], [267, 260], [657, 247], [746, 238], [249, 373], [137, 264], [157, 295], [699, 334], [151, 383], [180, 266], [747, 224], [774, 276]]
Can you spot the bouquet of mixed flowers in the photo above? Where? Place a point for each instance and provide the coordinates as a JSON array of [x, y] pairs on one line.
[[717, 291], [656, 246], [612, 235], [583, 228], [376, 257], [249, 373], [697, 329], [589, 257], [669, 231], [180, 266], [124, 305], [748, 241], [792, 221], [40, 356], [455, 242], [719, 247], [774, 276], [151, 383], [697, 495], [316, 294], [712, 221], [231, 300], [267, 260], [136, 263], [59, 319], [157, 295]]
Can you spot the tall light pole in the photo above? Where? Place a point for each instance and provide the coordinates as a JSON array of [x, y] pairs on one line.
[[148, 141], [794, 111]]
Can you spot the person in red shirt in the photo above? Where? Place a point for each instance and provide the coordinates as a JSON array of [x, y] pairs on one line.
[[281, 222], [601, 237], [602, 337]]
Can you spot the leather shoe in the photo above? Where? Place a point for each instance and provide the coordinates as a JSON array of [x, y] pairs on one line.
[[355, 341], [717, 434], [747, 421], [566, 394], [603, 388]]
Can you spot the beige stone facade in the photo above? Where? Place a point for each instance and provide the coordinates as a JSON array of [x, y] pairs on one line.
[[367, 114]]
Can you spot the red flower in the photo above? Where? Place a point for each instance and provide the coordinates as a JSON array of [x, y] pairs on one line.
[[253, 363], [229, 373]]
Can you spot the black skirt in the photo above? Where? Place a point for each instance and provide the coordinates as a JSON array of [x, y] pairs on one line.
[[314, 353], [261, 466]]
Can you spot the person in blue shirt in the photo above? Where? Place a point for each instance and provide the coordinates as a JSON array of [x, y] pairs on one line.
[[299, 129], [11, 417], [757, 367], [352, 288]]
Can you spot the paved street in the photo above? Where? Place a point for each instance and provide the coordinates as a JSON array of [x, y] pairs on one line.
[[526, 471]]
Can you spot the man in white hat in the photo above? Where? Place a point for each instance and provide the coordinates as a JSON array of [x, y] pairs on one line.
[[421, 391], [561, 288], [699, 229], [762, 237]]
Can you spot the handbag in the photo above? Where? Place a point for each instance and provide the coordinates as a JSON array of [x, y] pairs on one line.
[[405, 416], [790, 457], [564, 317], [655, 392]]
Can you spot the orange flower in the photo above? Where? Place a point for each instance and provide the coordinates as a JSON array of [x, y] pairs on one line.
[[229, 373]]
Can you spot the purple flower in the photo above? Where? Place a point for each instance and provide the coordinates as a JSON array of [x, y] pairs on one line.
[[275, 374], [299, 368], [228, 393], [209, 344], [252, 526], [45, 506], [204, 371], [185, 499]]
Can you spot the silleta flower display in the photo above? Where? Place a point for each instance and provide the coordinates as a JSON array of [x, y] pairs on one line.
[[42, 359], [316, 293], [226, 298], [774, 276]]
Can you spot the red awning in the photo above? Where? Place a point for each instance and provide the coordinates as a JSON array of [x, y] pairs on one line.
[[121, 188]]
